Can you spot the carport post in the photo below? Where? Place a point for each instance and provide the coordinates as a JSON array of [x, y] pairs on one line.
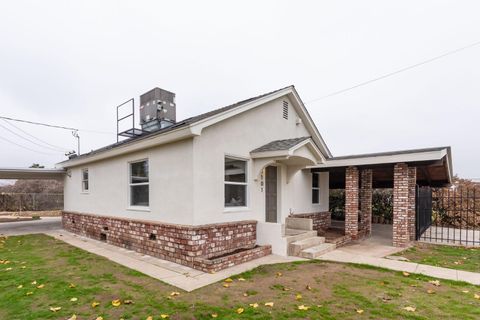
[[412, 184], [366, 200], [351, 202], [401, 236]]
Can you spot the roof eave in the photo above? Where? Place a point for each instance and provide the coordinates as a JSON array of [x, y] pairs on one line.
[[156, 140], [389, 159]]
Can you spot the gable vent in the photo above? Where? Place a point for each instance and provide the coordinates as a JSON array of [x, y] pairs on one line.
[[285, 110]]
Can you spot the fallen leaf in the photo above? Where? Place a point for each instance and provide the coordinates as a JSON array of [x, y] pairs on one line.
[[226, 285], [303, 307], [254, 305], [359, 311], [174, 293], [240, 310], [269, 304], [465, 291], [214, 315], [41, 286], [430, 291], [8, 269], [435, 282], [116, 302], [241, 279], [164, 316], [149, 318], [245, 294], [127, 302], [308, 287], [228, 280], [279, 274], [476, 296], [23, 267], [29, 293], [71, 285], [406, 274], [99, 318], [286, 289], [34, 282], [73, 299], [95, 304], [298, 296], [20, 286], [410, 309], [73, 317], [55, 309]]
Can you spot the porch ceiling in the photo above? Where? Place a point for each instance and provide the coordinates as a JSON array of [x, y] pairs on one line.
[[434, 167]]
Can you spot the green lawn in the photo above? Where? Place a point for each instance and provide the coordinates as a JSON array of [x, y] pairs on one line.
[[44, 273], [460, 258]]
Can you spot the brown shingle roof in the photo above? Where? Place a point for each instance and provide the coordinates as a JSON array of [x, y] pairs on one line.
[[277, 145]]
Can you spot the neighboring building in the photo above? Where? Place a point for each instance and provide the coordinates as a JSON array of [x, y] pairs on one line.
[[235, 183]]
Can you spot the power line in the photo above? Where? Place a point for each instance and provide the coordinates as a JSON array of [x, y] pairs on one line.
[[54, 148], [27, 148], [396, 72], [54, 126]]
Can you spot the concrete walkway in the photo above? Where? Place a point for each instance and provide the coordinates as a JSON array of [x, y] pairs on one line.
[[174, 274], [360, 254], [45, 224]]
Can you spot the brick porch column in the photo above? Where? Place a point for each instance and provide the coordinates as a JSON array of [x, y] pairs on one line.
[[401, 235], [366, 200], [351, 202], [412, 182]]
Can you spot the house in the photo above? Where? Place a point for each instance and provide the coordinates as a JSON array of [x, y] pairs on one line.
[[235, 184]]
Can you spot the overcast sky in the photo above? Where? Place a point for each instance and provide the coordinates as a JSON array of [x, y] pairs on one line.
[[71, 62]]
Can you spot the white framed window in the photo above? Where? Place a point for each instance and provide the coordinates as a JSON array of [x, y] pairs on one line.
[[139, 184], [85, 185], [235, 182], [315, 188]]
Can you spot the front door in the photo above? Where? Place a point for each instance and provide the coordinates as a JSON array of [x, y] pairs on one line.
[[271, 194]]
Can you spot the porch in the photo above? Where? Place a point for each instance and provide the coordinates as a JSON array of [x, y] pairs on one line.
[[404, 172]]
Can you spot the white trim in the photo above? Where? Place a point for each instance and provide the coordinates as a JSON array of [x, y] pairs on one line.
[[131, 206], [139, 208], [235, 209], [317, 188], [85, 191], [235, 183]]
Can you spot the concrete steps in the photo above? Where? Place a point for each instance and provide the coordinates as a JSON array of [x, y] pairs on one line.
[[296, 247], [316, 251]]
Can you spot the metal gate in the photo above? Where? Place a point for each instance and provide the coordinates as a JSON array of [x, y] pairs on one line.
[[454, 216], [423, 210]]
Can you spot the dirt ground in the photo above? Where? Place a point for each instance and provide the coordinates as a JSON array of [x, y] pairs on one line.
[[50, 213]]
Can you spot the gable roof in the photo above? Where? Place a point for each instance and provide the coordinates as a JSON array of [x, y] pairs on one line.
[[192, 127], [278, 145]]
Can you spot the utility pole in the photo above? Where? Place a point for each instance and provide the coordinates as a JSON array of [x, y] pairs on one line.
[[76, 135]]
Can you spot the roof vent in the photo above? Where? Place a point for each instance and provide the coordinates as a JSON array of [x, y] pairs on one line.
[[285, 110]]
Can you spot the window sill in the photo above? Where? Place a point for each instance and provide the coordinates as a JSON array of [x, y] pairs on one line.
[[135, 208], [85, 192], [235, 209]]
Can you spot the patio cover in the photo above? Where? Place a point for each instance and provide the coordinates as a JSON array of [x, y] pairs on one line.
[[31, 173], [434, 166]]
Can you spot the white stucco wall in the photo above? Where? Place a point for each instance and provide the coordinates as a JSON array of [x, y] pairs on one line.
[[236, 137], [171, 185], [187, 177]]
